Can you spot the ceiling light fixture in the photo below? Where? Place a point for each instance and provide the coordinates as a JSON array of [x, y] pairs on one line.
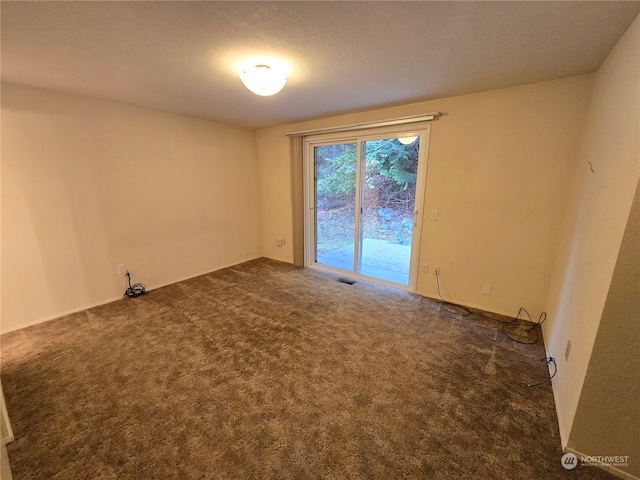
[[263, 78], [407, 140]]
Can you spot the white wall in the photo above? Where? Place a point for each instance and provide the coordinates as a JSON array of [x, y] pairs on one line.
[[498, 170], [88, 184], [595, 220]]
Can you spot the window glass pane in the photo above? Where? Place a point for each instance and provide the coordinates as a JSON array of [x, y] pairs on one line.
[[335, 174], [388, 199]]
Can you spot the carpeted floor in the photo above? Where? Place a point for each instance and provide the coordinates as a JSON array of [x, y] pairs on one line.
[[266, 371]]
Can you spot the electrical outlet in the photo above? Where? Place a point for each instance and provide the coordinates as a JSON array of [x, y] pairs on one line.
[[436, 270], [122, 269], [281, 242], [486, 289], [567, 350], [425, 267]]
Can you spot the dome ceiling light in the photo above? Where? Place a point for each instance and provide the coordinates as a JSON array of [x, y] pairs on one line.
[[263, 77], [407, 140]]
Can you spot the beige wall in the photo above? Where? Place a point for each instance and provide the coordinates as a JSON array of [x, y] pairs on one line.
[[275, 193], [87, 185], [498, 168], [595, 221], [607, 420]]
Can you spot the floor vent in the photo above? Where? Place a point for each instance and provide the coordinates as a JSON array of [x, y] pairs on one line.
[[347, 281]]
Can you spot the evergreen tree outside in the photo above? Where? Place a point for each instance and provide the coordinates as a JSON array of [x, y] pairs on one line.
[[390, 175]]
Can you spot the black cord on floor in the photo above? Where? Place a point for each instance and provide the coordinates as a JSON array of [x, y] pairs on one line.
[[510, 325], [463, 311], [134, 290], [555, 370], [533, 326]]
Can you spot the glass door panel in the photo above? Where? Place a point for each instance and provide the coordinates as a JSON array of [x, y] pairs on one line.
[[335, 172], [388, 194], [363, 196]]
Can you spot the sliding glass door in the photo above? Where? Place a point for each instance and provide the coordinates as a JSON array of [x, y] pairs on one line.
[[363, 195], [335, 204]]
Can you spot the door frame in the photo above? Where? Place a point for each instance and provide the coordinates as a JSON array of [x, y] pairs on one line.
[[423, 130]]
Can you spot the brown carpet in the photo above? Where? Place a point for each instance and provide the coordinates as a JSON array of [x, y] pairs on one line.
[[266, 371]]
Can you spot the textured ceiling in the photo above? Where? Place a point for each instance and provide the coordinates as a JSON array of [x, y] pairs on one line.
[[344, 56]]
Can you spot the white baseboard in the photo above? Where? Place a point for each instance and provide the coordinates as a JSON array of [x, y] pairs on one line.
[[564, 436], [113, 299], [58, 315], [5, 424], [497, 311], [155, 287]]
